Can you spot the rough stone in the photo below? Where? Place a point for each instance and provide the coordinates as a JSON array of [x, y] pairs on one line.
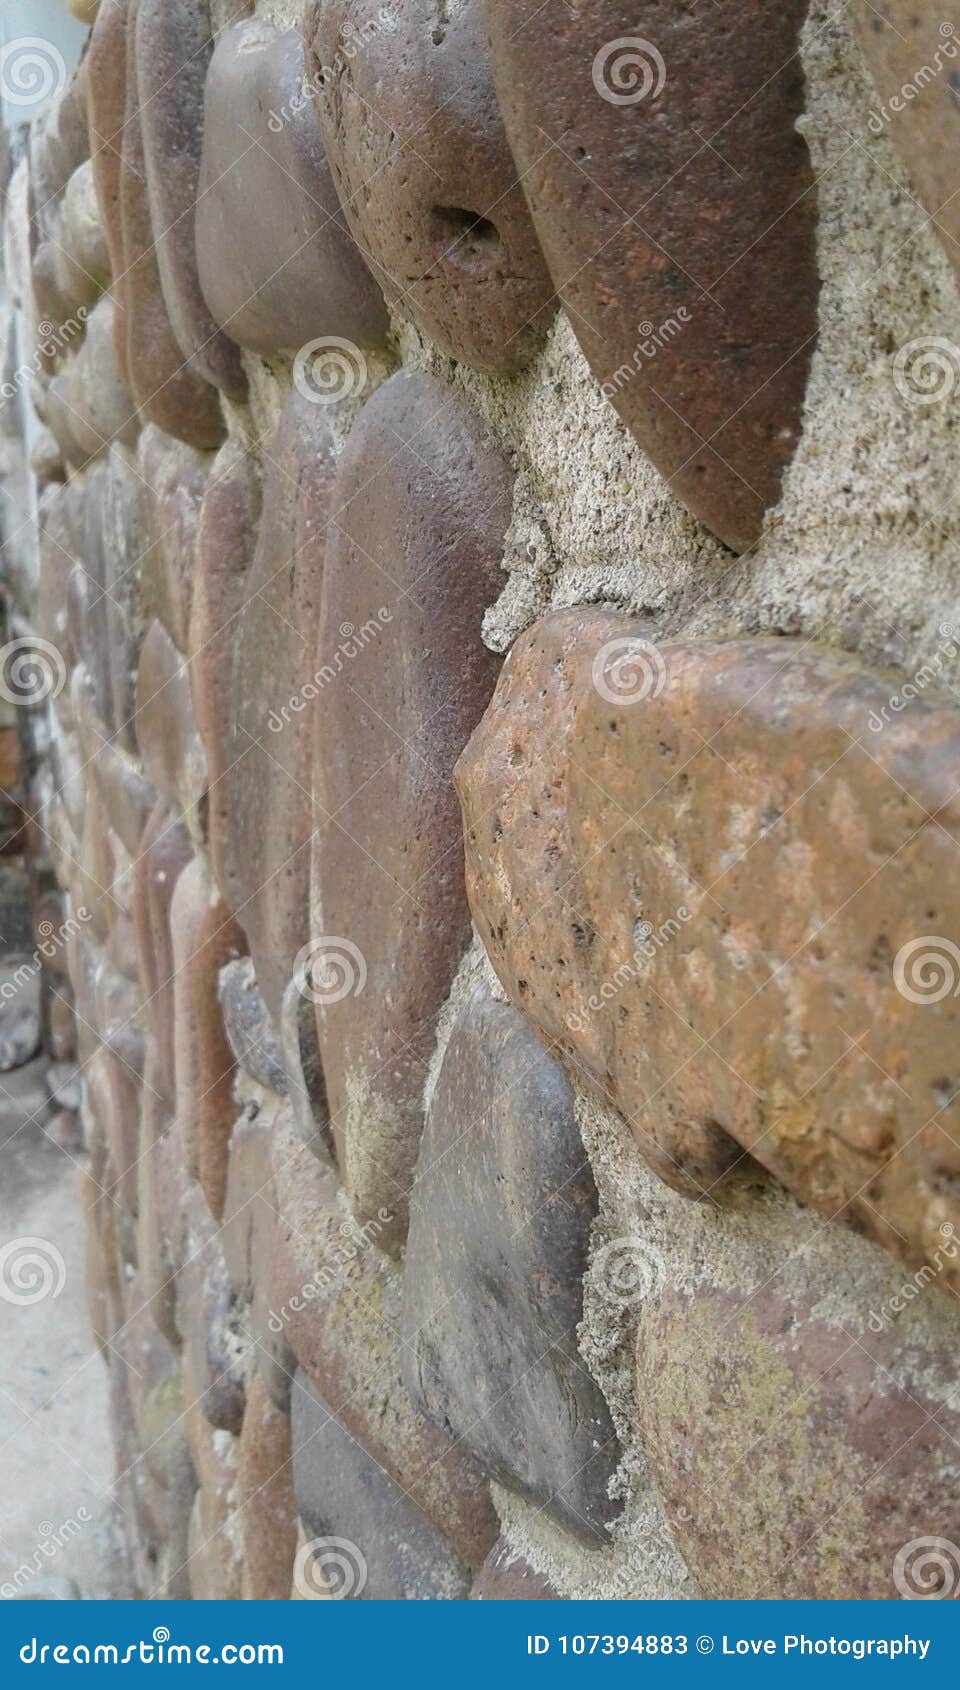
[[99, 404], [205, 939], [500, 1222], [901, 40], [267, 783], [164, 852], [506, 1577], [106, 103], [249, 1030], [422, 506], [167, 392], [305, 1085], [787, 1455], [173, 50], [676, 210], [206, 1314], [277, 266], [168, 740], [387, 1550], [82, 259], [173, 482], [415, 140], [339, 1303], [703, 871], [249, 1237], [265, 1500]]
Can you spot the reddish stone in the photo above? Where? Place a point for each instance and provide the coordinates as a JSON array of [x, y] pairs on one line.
[[796, 1458], [267, 783], [166, 391], [168, 740], [338, 1300], [674, 200], [507, 1577], [173, 479], [412, 564], [415, 140], [901, 39], [164, 852], [268, 1511], [703, 872], [207, 1318], [277, 265], [173, 50], [106, 101], [205, 937]]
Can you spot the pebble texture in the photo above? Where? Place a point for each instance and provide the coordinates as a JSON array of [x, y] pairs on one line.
[[409, 119], [745, 888], [499, 1235], [687, 265], [422, 500], [275, 261]]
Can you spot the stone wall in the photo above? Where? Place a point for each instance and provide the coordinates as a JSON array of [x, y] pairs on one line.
[[469, 436]]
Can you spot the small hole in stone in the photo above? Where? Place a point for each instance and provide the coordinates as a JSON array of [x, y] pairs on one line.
[[470, 241]]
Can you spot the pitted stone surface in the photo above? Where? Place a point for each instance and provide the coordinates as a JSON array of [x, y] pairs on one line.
[[913, 50], [415, 141], [276, 263], [788, 1455], [423, 501], [274, 659], [500, 1221], [339, 1303], [246, 1022], [343, 1492], [676, 209], [174, 49], [694, 879], [205, 939], [167, 392], [506, 1577]]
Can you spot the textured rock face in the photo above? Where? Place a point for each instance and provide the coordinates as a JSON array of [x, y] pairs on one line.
[[499, 1233], [686, 264], [268, 1514], [387, 1551], [276, 264], [790, 1454], [416, 145], [106, 107], [423, 502], [913, 51], [691, 875], [507, 1577]]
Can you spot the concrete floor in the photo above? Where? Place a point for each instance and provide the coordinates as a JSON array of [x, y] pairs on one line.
[[57, 1517]]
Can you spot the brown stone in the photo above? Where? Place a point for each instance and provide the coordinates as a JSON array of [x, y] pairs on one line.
[[276, 263], [173, 49], [507, 1577], [249, 1235], [900, 39], [676, 209], [161, 1201], [173, 481], [164, 852], [423, 502], [225, 542], [124, 542], [795, 1458], [82, 259], [99, 404], [168, 740], [500, 1221], [207, 1317], [106, 101], [167, 392], [305, 1085], [268, 1511], [410, 123], [703, 872], [267, 783], [205, 938], [339, 1304]]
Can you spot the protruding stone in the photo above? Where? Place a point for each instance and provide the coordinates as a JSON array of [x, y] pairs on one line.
[[782, 1440], [82, 259], [268, 1511], [913, 50], [676, 209], [423, 502], [246, 1022], [207, 1319], [249, 1234], [167, 392], [168, 740], [173, 482], [339, 1304], [705, 872], [415, 141], [275, 659], [174, 49], [205, 939], [164, 852], [507, 1577], [500, 1221], [101, 408], [305, 1085], [106, 103], [388, 1551], [277, 266]]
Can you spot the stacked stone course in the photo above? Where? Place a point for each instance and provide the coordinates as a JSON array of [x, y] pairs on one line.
[[511, 1127]]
